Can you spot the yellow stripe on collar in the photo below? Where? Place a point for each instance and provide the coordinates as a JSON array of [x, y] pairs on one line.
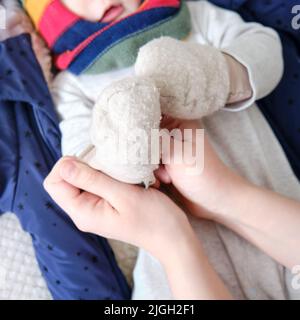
[[36, 8]]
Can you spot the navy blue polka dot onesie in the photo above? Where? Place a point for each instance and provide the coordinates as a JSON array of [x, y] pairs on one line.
[[282, 107], [75, 265]]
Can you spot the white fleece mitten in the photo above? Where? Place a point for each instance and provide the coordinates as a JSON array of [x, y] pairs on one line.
[[193, 79], [123, 118]]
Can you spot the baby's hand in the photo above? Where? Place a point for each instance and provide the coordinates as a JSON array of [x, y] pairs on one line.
[[193, 79], [101, 205]]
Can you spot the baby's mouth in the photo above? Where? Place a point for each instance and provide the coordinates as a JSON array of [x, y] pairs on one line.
[[112, 13]]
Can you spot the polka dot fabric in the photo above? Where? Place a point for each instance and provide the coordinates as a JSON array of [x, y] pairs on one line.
[[75, 265], [282, 107]]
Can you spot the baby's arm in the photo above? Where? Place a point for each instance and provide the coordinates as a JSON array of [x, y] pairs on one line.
[[224, 62], [75, 112], [256, 48]]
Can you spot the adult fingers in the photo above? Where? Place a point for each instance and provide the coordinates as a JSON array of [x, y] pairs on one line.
[[156, 185], [87, 210], [85, 178], [91, 213], [66, 195], [162, 175], [58, 188], [183, 155]]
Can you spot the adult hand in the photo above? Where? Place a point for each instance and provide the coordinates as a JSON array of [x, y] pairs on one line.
[[204, 191], [266, 219], [101, 205]]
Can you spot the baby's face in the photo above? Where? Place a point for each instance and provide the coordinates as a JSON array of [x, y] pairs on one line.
[[102, 10]]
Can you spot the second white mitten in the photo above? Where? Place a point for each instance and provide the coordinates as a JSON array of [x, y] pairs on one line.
[[193, 79]]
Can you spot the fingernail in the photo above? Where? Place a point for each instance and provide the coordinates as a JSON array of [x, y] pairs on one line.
[[68, 169]]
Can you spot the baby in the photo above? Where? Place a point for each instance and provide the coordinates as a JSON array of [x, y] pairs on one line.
[[221, 63], [96, 43]]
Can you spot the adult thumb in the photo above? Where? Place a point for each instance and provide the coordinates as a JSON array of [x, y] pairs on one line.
[[90, 180]]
